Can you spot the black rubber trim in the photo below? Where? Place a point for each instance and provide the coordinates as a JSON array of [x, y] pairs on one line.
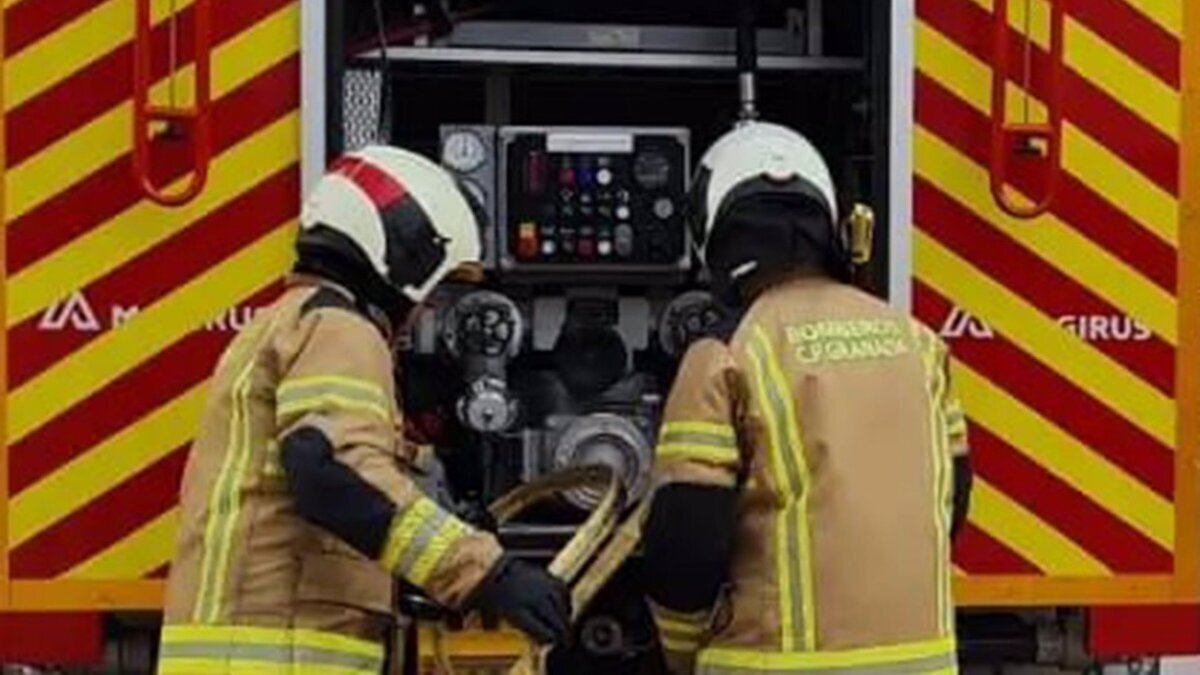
[[689, 541]]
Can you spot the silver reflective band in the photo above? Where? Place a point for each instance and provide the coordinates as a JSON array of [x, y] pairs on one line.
[[269, 653], [420, 542]]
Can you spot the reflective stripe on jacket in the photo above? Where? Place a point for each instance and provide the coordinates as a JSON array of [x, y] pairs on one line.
[[836, 416]]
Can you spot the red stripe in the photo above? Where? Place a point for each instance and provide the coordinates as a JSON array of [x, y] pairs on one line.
[[155, 273], [383, 190], [978, 554], [121, 403], [1139, 143], [78, 99], [160, 573], [960, 125], [31, 20], [1134, 33], [110, 190], [1053, 397], [1039, 283], [103, 522], [1120, 547]]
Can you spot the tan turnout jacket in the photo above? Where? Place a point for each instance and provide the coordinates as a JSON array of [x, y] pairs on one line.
[[256, 589], [835, 414]]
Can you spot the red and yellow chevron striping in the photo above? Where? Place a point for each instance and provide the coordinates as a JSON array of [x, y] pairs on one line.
[[118, 308], [1068, 329]]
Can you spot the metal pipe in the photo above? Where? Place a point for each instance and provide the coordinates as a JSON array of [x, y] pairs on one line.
[[747, 58]]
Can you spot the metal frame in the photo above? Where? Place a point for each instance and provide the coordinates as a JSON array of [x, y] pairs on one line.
[[313, 113], [900, 159], [610, 59], [543, 35]]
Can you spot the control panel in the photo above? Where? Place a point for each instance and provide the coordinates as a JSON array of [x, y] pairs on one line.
[[592, 200]]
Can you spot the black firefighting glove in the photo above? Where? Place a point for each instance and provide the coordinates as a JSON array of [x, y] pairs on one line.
[[529, 598]]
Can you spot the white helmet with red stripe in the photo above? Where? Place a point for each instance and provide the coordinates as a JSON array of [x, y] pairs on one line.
[[411, 222]]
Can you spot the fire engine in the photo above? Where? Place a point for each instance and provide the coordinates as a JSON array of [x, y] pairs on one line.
[[1033, 167]]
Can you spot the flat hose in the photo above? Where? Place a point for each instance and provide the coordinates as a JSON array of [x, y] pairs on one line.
[[598, 541]]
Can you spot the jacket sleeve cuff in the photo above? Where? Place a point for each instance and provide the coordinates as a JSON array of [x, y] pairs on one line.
[[432, 549], [681, 635]]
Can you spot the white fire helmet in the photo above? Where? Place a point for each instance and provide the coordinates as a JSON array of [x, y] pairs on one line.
[[408, 216], [753, 159]]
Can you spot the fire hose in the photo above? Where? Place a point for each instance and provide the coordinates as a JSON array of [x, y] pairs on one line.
[[600, 541]]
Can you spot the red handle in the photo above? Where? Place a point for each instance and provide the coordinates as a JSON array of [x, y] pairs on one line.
[[1021, 140], [193, 121]]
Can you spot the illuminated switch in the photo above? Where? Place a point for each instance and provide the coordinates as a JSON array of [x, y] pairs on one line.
[[549, 247], [527, 240], [604, 248], [623, 212], [604, 177]]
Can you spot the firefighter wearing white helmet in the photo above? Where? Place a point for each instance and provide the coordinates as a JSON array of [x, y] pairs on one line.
[[298, 518], [811, 468]]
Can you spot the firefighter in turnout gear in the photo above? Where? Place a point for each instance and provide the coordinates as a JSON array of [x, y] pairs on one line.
[[298, 513], [811, 468]]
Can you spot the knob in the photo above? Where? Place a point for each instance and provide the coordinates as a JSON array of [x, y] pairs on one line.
[[604, 176]]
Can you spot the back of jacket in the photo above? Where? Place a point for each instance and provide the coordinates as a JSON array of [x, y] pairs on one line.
[[833, 413]]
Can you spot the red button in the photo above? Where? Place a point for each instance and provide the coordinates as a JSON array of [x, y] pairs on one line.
[[587, 248], [527, 241], [566, 177]]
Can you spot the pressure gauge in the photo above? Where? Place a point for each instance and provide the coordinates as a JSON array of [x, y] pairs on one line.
[[464, 151]]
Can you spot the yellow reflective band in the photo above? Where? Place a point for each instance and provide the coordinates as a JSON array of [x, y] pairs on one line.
[[712, 455], [448, 534], [404, 528], [224, 500], [420, 537], [245, 649], [782, 418], [724, 431], [921, 657], [680, 628], [679, 645], [310, 394]]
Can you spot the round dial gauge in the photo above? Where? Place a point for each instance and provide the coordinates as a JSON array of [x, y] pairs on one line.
[[464, 151]]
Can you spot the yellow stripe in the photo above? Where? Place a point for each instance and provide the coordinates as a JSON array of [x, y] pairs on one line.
[[225, 635], [1048, 238], [446, 537], [144, 226], [246, 667], [405, 527], [229, 486], [104, 139], [90, 475], [1089, 161], [1033, 539], [874, 656], [1062, 455], [331, 400], [1166, 13], [783, 387], [712, 455], [1106, 67], [135, 556], [678, 627], [1121, 185], [1078, 361], [288, 386], [723, 430], [935, 377], [73, 46], [780, 476], [156, 327], [1122, 78]]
